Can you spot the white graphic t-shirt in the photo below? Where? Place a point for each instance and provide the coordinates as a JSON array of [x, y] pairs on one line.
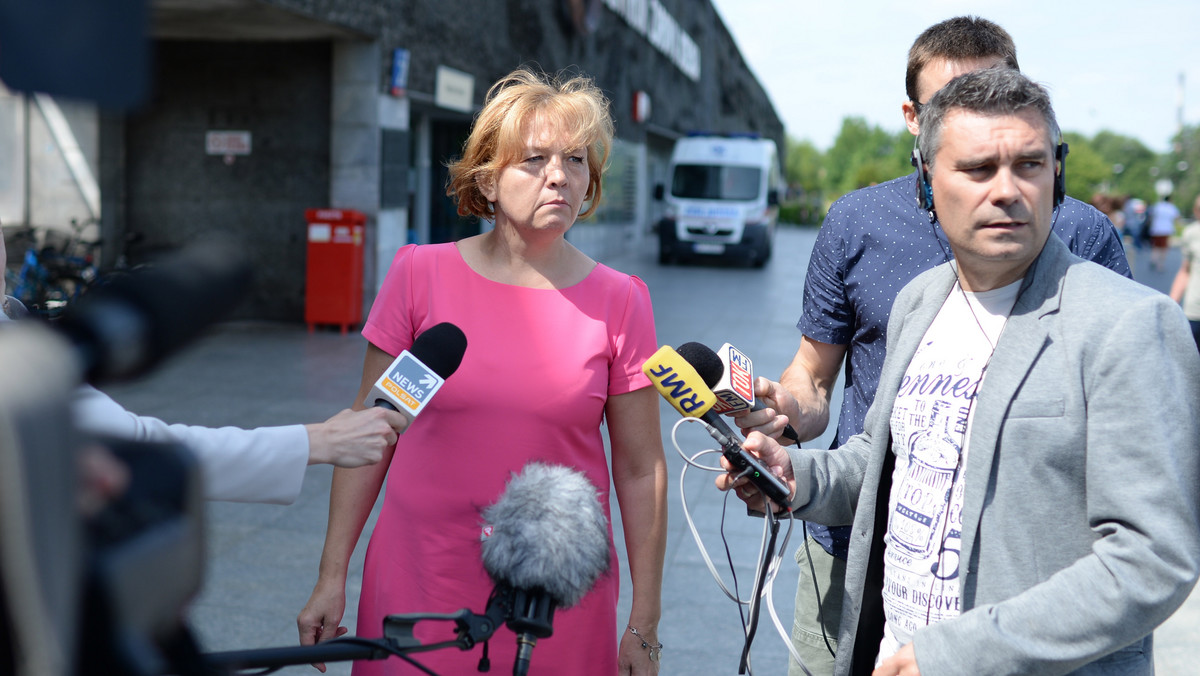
[[930, 422]]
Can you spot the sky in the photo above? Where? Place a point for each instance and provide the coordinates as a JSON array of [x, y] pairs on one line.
[[1108, 64]]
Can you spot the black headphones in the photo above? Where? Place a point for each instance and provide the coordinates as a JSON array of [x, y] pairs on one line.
[[925, 187]]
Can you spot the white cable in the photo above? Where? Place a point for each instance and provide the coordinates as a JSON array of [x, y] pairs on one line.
[[775, 564], [687, 513]]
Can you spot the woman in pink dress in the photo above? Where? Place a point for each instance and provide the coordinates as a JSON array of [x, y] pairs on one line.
[[556, 342]]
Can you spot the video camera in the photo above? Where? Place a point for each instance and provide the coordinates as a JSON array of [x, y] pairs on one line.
[[102, 592]]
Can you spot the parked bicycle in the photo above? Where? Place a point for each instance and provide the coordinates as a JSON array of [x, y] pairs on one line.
[[57, 266]]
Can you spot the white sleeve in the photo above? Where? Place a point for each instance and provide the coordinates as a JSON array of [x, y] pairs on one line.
[[260, 465]]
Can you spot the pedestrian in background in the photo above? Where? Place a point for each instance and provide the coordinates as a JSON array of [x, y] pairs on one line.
[[1161, 227], [1186, 287]]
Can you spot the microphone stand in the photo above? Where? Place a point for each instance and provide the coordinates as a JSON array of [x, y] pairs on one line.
[[398, 640]]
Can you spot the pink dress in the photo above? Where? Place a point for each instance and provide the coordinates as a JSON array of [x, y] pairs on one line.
[[539, 366]]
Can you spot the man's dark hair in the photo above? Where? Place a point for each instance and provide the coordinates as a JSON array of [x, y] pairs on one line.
[[963, 38], [992, 91]]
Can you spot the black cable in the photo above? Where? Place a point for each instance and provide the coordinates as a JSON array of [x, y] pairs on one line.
[[755, 605], [817, 590], [729, 559]]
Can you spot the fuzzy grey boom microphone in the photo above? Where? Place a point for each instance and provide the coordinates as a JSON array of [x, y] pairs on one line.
[[548, 544]]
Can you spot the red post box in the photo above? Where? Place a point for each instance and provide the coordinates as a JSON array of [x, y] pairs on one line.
[[333, 293]]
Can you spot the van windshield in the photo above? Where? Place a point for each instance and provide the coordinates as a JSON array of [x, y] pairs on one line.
[[715, 182]]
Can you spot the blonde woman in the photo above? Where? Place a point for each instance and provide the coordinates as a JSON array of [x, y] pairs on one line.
[[556, 344]]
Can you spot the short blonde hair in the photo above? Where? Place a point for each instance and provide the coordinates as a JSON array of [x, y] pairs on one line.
[[574, 105]]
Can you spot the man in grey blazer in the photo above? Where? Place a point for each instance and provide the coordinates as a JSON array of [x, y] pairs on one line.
[[1025, 495]]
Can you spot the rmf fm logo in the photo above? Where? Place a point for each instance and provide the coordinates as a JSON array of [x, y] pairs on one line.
[[675, 388], [741, 373]]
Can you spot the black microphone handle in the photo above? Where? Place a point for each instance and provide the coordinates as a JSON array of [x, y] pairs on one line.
[[525, 644], [788, 431], [771, 485]]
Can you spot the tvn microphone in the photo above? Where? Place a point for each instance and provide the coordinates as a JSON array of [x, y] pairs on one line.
[[730, 375], [677, 381], [545, 542], [417, 374]]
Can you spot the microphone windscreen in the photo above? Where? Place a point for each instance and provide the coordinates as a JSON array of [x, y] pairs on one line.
[[548, 532], [441, 348], [706, 362]]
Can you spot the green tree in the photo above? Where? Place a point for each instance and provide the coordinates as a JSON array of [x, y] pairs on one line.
[[1182, 166], [1087, 171], [804, 166], [1130, 161], [863, 154], [805, 174]]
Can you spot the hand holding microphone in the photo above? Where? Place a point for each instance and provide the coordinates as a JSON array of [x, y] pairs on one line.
[[408, 384], [730, 374], [354, 438], [677, 381], [773, 457]]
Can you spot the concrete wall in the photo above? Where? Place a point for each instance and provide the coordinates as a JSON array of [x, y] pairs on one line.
[[309, 79], [176, 193]]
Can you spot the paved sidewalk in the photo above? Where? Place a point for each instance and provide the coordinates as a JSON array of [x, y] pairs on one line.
[[262, 559]]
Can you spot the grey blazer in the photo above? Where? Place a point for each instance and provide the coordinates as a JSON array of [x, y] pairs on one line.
[[1081, 527]]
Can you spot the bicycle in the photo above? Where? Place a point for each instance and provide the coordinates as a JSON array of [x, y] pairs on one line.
[[52, 273]]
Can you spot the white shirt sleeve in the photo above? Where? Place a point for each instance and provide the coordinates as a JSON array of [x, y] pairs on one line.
[[265, 464]]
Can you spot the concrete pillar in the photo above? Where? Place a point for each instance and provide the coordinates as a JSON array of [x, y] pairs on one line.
[[394, 114], [354, 152], [422, 157]]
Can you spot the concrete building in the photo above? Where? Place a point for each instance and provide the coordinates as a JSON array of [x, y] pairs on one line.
[[260, 109]]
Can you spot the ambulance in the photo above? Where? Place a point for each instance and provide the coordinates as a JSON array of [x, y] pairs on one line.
[[723, 199]]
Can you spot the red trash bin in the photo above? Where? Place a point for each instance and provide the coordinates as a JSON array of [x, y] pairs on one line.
[[333, 283]]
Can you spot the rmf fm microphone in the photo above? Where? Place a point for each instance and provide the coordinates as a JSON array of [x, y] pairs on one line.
[[408, 384], [730, 374], [679, 384]]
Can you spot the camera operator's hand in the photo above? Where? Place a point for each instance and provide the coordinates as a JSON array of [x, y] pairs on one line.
[[354, 438], [322, 616], [102, 478]]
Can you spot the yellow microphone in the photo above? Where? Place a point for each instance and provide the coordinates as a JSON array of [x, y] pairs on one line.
[[679, 383]]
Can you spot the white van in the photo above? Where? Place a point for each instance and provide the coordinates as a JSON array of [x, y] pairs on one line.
[[723, 199]]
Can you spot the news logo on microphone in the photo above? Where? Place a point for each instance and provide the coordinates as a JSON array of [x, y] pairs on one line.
[[407, 383], [677, 381], [735, 390]]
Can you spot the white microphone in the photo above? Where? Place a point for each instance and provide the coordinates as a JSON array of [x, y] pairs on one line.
[[545, 543], [412, 379], [735, 386]]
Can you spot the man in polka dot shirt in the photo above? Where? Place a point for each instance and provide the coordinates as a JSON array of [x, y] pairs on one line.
[[873, 242]]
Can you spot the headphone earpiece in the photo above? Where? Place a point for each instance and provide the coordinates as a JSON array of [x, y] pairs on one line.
[[924, 187], [1060, 177]]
